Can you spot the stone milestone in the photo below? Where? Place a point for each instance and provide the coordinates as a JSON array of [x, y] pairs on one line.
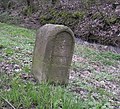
[[52, 54]]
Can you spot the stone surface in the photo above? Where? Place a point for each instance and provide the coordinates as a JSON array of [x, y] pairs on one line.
[[53, 53]]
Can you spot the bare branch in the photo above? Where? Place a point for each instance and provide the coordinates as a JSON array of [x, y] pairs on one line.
[[8, 103]]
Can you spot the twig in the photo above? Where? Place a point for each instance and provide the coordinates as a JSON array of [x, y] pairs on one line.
[[8, 102]]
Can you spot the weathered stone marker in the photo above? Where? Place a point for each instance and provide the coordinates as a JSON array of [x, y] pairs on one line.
[[53, 53]]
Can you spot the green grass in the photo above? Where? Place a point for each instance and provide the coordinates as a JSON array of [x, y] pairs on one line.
[[106, 58], [16, 47], [43, 96]]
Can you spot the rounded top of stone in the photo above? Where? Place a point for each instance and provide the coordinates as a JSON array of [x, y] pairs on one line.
[[49, 31]]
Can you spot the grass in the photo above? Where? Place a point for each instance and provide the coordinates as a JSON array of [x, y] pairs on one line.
[[19, 88], [43, 96], [106, 58]]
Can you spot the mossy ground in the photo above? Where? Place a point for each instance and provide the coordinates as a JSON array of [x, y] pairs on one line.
[[63, 17]]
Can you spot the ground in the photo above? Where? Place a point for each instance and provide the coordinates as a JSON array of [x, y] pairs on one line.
[[94, 76]]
